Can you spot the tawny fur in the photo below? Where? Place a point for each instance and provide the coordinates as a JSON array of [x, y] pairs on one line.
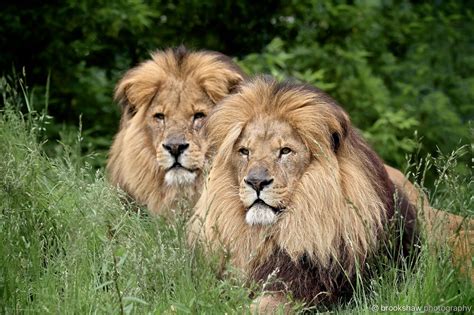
[[334, 217], [178, 83], [440, 227]]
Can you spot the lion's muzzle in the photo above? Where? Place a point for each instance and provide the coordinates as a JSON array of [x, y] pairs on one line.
[[175, 159], [254, 195]]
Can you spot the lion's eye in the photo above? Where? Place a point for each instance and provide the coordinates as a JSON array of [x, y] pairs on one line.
[[199, 115], [285, 151], [159, 116], [244, 151]]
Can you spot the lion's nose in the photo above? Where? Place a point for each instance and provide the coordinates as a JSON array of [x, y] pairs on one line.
[[175, 148], [258, 178]]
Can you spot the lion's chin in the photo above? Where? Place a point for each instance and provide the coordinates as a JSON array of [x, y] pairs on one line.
[[180, 177], [260, 214]]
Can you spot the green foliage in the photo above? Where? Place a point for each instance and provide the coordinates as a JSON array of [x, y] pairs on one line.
[[396, 67], [87, 45]]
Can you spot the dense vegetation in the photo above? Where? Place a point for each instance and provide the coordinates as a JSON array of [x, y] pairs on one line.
[[404, 70], [69, 243]]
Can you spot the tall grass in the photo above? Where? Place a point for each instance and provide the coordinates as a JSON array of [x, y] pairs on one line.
[[69, 243]]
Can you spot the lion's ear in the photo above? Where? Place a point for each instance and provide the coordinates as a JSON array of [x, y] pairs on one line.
[[120, 96], [341, 132], [335, 141], [218, 75], [137, 88], [221, 84]]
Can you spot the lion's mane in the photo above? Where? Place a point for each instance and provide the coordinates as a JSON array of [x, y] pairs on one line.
[[339, 213], [132, 163]]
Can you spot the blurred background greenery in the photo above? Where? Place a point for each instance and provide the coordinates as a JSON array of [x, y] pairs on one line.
[[404, 70]]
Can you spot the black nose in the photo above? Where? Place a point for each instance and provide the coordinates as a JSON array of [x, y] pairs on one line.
[[258, 178], [175, 148]]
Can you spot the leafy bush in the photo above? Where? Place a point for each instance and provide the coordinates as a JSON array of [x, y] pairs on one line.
[[396, 67], [404, 71], [86, 46]]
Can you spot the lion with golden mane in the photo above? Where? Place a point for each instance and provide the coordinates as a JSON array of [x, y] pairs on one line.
[[159, 153], [295, 194]]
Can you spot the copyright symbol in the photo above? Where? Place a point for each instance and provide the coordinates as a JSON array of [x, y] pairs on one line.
[[374, 308]]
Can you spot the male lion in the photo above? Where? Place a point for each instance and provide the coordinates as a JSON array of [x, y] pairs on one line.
[[296, 195], [159, 153]]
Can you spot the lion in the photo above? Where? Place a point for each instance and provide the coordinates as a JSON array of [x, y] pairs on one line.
[[296, 195], [441, 227], [159, 154]]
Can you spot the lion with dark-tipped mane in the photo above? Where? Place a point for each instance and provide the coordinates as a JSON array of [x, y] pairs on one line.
[[295, 194], [159, 154]]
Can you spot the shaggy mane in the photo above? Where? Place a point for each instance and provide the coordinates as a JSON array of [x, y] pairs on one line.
[[337, 215], [216, 73]]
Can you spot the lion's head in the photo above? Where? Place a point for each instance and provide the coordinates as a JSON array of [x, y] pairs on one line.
[[293, 190], [159, 153], [269, 162]]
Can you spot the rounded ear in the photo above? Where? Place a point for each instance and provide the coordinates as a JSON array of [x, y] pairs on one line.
[[335, 141], [338, 136], [220, 77], [221, 85], [138, 87], [120, 96]]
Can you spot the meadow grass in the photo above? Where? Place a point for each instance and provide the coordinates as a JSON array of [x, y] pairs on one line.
[[70, 243]]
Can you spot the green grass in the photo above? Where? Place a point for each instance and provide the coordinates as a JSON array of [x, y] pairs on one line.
[[69, 243]]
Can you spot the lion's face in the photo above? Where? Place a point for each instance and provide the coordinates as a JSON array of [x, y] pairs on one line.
[[294, 193], [160, 152], [175, 119], [270, 158]]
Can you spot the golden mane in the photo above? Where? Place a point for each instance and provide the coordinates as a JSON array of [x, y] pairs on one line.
[[179, 81], [337, 213]]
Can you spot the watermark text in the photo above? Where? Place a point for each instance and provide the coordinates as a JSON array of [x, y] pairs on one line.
[[422, 308]]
